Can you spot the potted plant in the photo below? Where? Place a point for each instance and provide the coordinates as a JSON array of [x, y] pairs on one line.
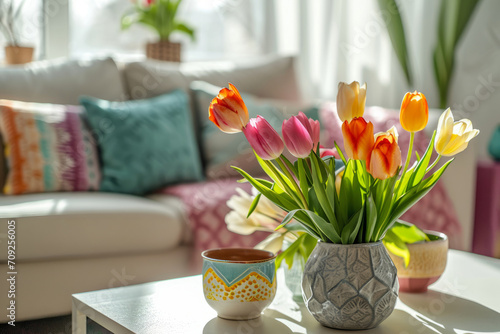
[[159, 15], [349, 280], [14, 52], [420, 256]]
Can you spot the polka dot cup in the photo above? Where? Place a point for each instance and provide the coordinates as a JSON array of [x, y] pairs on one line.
[[239, 283]]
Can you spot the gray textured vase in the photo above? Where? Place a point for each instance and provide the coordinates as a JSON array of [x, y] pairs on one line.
[[350, 286]]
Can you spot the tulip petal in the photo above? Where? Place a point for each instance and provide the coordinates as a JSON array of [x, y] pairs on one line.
[[349, 142], [365, 142], [351, 100], [316, 130], [454, 148], [414, 113], [305, 122], [470, 135], [297, 138], [227, 120], [378, 165], [228, 111], [263, 138], [238, 224], [444, 130]]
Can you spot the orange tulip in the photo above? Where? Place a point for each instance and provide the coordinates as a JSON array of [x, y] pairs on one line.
[[385, 158], [228, 111], [414, 112], [358, 138]]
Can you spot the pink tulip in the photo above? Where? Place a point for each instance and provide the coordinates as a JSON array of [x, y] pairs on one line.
[[312, 127], [265, 141], [297, 136], [327, 152]]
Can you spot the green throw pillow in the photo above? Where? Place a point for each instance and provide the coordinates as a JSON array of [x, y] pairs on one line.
[[144, 144]]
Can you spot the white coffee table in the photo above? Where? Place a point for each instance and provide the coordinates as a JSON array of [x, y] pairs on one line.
[[465, 300]]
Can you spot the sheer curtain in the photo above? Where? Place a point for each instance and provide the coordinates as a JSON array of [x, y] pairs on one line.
[[347, 40]]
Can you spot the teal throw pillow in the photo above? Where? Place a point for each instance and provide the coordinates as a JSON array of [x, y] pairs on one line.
[[144, 144]]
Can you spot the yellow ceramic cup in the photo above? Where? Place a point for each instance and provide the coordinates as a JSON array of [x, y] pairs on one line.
[[239, 283]]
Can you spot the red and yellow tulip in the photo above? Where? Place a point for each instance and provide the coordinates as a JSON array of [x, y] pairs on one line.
[[385, 158], [228, 111], [358, 138]]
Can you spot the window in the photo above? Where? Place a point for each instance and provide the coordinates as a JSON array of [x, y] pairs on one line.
[[224, 29]]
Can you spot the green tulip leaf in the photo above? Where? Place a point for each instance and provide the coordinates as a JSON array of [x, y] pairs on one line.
[[397, 247], [254, 204]]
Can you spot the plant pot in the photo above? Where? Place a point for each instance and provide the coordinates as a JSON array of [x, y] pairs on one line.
[[350, 286], [16, 55], [427, 263], [164, 50]]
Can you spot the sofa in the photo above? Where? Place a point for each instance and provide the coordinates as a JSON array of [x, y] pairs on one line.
[[71, 242]]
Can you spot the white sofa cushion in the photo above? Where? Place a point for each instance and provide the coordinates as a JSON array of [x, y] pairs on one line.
[[62, 81], [85, 224], [271, 77]]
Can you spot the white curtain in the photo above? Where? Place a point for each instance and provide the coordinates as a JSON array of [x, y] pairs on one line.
[[346, 40]]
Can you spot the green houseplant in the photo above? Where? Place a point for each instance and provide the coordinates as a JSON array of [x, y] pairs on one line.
[[454, 16], [348, 212], [161, 16], [15, 53]]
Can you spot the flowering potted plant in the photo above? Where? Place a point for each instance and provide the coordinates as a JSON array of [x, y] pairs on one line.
[[159, 15], [349, 280], [15, 53]]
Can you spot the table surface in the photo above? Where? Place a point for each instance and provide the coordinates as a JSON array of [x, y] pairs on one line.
[[466, 299]]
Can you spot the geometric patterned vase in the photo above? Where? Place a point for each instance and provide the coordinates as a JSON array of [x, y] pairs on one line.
[[350, 286]]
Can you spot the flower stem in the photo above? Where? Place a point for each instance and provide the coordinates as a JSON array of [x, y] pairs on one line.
[[408, 157], [434, 163], [292, 180]]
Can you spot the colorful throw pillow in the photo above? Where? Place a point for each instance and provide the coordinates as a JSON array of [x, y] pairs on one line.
[[144, 144], [221, 150], [48, 147]]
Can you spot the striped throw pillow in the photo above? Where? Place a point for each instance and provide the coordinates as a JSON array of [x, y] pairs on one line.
[[48, 147]]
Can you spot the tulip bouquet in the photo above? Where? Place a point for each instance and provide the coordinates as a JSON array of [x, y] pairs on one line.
[[361, 202]]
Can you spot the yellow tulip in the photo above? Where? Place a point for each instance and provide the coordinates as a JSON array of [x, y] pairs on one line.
[[453, 137], [414, 112], [351, 100]]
